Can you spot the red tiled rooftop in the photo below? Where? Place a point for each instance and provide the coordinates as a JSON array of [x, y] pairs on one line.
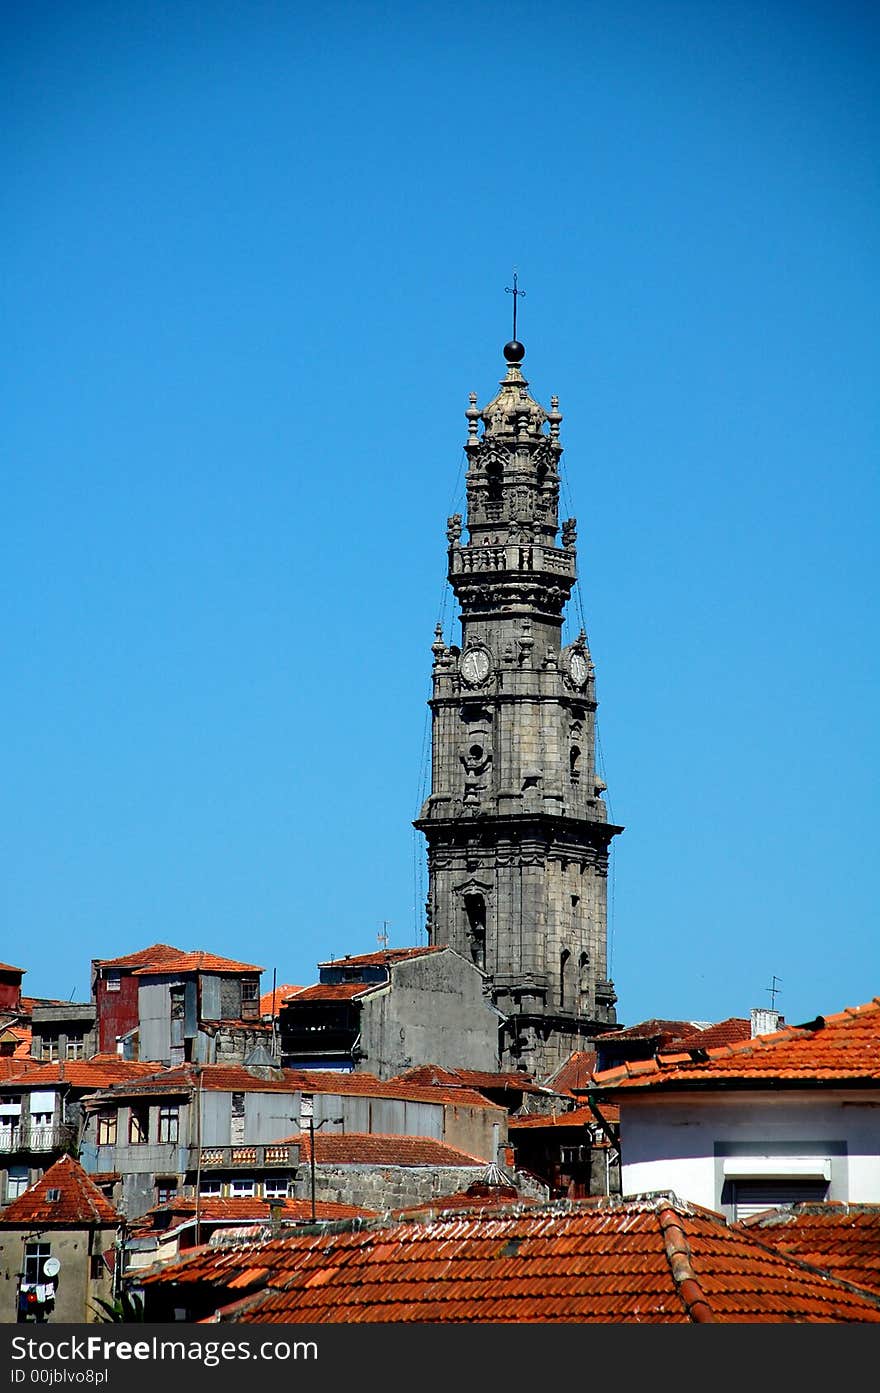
[[217, 1209], [5, 967], [387, 957], [335, 991], [237, 1078], [99, 1072], [843, 1239], [653, 1260], [79, 1200], [727, 1032], [649, 1030], [471, 1078], [576, 1073], [198, 961], [843, 1048], [378, 1149], [155, 953], [577, 1117], [270, 1001]]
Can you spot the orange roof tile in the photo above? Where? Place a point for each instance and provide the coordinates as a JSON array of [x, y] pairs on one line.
[[270, 1001], [386, 958], [576, 1073], [721, 1033], [481, 1079], [155, 953], [335, 991], [22, 1036], [78, 1200], [99, 1072], [378, 1149], [652, 1260], [843, 1239], [217, 1209], [649, 1030], [5, 967], [577, 1117], [237, 1078], [843, 1048], [198, 961]]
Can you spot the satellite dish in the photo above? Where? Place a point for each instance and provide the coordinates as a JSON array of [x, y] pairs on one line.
[[51, 1267]]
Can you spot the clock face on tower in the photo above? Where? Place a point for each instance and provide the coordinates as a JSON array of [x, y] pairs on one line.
[[577, 668], [475, 666]]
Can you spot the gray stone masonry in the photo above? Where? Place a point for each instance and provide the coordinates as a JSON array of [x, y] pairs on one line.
[[516, 826]]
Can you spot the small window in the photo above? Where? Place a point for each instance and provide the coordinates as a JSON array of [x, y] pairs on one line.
[[211, 1189], [112, 981], [35, 1254], [168, 1123], [139, 1126], [50, 1046], [276, 1188], [53, 1195], [250, 989], [243, 1189], [17, 1181], [106, 1128], [97, 1267], [166, 1190]]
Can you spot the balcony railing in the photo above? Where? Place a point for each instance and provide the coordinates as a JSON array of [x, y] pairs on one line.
[[35, 1138], [261, 1154]]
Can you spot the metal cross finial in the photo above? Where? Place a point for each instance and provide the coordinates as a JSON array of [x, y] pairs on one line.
[[382, 938], [774, 991], [512, 290]]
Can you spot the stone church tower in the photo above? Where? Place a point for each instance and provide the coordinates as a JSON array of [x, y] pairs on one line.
[[517, 831]]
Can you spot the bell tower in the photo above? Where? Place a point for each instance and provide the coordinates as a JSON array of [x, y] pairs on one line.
[[517, 830]]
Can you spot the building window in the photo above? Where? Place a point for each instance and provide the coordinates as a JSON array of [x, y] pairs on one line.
[[35, 1255], [50, 1047], [139, 1126], [17, 1180], [276, 1188], [250, 989], [166, 1190], [76, 1047], [112, 981], [211, 1189], [242, 1189], [106, 1128], [97, 1267], [168, 1123], [564, 976]]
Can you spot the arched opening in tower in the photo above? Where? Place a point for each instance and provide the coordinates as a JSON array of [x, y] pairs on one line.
[[475, 909]]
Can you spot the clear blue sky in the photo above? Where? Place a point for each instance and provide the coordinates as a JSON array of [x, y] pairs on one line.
[[254, 259]]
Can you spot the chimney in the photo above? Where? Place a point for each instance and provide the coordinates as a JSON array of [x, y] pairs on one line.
[[765, 1020]]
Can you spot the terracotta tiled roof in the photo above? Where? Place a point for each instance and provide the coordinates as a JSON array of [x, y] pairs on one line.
[[236, 1078], [722, 1033], [214, 1209], [193, 962], [653, 1260], [649, 1030], [100, 1072], [482, 1080], [386, 958], [843, 1239], [5, 967], [377, 1149], [29, 1002], [21, 1034], [12, 1066], [79, 1201], [576, 1073], [577, 1117], [336, 991], [843, 1048], [155, 953], [270, 1001]]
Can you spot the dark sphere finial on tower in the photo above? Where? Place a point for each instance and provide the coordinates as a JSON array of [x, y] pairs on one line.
[[514, 351]]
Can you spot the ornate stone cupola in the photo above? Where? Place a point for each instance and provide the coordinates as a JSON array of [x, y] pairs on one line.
[[516, 826]]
